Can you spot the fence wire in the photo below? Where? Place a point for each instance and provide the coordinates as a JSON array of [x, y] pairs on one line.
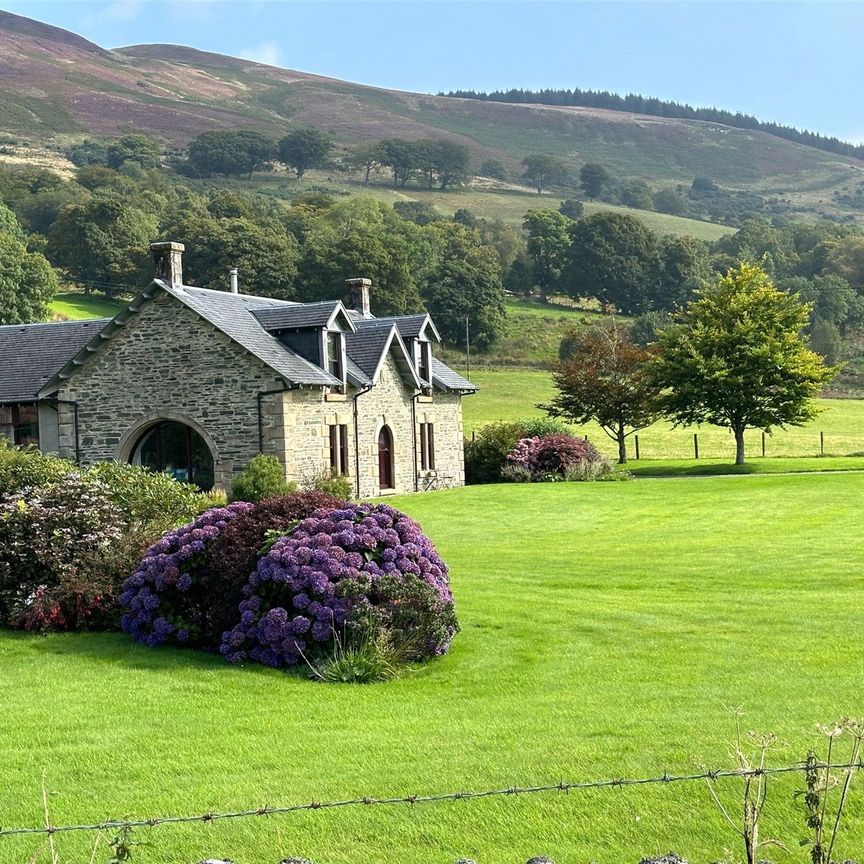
[[366, 801]]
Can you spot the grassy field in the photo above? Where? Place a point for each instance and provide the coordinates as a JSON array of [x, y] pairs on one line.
[[606, 629], [534, 332], [510, 395], [73, 306]]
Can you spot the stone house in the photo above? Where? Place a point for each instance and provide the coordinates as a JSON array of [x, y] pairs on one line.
[[197, 382]]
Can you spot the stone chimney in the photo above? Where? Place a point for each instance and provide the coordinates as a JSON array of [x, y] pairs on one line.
[[168, 261], [234, 280], [358, 296]]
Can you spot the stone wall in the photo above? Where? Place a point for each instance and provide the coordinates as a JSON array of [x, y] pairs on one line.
[[168, 363], [389, 401], [444, 411]]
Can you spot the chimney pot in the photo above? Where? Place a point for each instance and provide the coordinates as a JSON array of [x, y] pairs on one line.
[[358, 296], [235, 285], [168, 261]]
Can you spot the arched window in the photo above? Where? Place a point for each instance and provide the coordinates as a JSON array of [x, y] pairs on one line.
[[385, 458], [177, 450]]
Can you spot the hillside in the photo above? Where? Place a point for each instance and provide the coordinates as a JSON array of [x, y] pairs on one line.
[[58, 87]]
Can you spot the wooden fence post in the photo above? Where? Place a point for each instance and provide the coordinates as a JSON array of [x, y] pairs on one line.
[[763, 445], [636, 441], [696, 445], [821, 443]]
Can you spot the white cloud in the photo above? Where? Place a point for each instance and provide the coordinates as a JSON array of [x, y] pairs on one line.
[[123, 10], [264, 52]]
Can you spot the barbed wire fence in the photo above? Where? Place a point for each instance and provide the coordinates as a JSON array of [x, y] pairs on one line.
[[414, 800]]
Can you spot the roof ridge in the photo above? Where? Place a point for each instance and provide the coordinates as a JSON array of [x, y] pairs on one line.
[[78, 321]]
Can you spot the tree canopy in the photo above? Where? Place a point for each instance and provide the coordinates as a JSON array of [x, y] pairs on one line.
[[542, 171], [605, 378], [27, 282], [593, 178], [232, 152], [548, 242], [304, 148], [613, 258], [738, 359]]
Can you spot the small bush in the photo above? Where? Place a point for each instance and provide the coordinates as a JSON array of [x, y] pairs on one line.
[[56, 549], [550, 457], [25, 467], [169, 595], [149, 498], [339, 486], [592, 469], [263, 477], [337, 570]]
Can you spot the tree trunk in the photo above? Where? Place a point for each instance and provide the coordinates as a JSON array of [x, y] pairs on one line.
[[622, 446], [739, 445]]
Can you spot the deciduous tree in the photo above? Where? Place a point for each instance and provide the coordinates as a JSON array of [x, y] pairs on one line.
[[613, 258], [548, 242], [542, 171], [593, 178], [305, 148], [27, 283], [605, 378], [738, 359], [233, 152]]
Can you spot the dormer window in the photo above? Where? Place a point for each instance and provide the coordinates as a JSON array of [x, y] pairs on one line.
[[336, 357], [424, 361]]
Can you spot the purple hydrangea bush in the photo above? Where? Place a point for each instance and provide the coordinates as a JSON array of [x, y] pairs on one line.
[[165, 597], [342, 569], [548, 457]]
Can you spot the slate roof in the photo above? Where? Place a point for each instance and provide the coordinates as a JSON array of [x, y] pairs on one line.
[[243, 318], [444, 378], [32, 354], [229, 311], [366, 346], [297, 315]]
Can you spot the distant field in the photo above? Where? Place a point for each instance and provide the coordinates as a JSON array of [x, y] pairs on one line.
[[534, 332], [509, 206], [76, 306], [509, 395]]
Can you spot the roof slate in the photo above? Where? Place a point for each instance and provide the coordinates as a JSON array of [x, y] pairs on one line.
[[445, 378], [366, 346], [297, 315], [228, 312], [409, 326], [32, 354]]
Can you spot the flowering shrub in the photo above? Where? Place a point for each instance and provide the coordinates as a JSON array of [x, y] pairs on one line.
[[234, 554], [55, 544], [551, 457], [167, 597], [337, 569], [486, 453]]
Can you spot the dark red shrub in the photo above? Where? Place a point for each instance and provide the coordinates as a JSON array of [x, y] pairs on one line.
[[556, 453], [235, 554]]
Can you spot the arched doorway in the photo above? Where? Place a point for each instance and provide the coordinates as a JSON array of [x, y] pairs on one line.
[[177, 449], [385, 458]]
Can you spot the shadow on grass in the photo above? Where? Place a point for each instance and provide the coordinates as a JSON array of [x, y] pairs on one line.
[[117, 649]]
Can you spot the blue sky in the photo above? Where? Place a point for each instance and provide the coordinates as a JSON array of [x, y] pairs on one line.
[[799, 63]]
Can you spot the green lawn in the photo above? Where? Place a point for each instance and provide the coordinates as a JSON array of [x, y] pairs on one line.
[[73, 306], [506, 395], [606, 629]]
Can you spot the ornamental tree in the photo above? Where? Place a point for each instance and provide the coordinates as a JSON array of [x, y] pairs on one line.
[[738, 358], [605, 378]]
